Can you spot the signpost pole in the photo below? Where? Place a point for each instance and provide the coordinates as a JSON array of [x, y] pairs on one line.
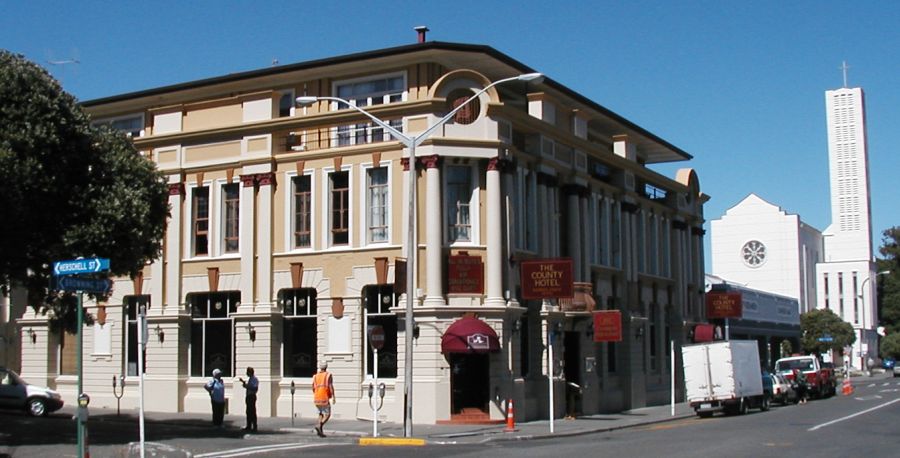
[[375, 404], [550, 370], [79, 421], [141, 343], [672, 374]]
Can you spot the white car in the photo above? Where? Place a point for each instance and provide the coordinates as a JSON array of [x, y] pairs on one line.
[[782, 391], [17, 394]]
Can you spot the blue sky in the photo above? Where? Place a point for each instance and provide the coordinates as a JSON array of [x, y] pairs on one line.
[[739, 85]]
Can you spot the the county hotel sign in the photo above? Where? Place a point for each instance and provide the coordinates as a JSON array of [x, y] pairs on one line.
[[547, 279]]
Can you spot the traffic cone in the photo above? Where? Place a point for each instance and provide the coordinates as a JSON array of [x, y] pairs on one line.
[[510, 417], [847, 388]]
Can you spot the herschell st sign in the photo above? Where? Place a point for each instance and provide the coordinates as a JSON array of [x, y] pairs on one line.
[[547, 279]]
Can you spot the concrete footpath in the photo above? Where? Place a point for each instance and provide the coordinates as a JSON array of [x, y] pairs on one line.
[[360, 431]]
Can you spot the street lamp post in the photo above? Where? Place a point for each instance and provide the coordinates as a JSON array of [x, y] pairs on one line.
[[411, 142], [862, 330]]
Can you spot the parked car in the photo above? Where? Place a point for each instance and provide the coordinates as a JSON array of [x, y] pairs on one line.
[[896, 371], [782, 391], [16, 393]]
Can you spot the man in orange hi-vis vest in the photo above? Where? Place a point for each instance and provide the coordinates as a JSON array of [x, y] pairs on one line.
[[323, 395]]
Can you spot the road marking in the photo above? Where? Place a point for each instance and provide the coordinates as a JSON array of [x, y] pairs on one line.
[[870, 385], [391, 441], [853, 415], [256, 450], [889, 390], [885, 383]]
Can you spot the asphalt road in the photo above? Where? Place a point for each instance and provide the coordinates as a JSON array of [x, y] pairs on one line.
[[864, 424]]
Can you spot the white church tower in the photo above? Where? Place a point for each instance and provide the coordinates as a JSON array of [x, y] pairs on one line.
[[846, 277]]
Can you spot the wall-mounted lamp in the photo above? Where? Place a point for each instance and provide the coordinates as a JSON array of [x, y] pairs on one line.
[[251, 332], [32, 335], [160, 334], [639, 333]]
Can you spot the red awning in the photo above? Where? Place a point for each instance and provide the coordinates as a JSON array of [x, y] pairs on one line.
[[469, 335]]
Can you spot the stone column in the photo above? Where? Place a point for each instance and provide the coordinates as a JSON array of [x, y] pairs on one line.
[[433, 232], [494, 287], [170, 286], [264, 229], [573, 211], [248, 242]]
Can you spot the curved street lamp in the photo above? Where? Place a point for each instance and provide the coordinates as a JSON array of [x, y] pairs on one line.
[[411, 142], [862, 329]]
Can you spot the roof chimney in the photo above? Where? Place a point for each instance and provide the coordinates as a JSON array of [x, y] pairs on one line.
[[421, 29]]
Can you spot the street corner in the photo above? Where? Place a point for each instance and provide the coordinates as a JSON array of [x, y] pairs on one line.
[[391, 441]]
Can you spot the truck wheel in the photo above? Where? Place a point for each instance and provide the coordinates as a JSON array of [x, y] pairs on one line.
[[742, 410], [764, 406]]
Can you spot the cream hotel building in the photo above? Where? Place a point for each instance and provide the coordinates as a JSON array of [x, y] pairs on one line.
[[287, 224]]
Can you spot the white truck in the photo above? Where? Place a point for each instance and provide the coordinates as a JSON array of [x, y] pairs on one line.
[[724, 377]]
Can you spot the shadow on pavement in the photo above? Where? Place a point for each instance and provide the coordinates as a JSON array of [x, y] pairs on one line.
[[59, 428]]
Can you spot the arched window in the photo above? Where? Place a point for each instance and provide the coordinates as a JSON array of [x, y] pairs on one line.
[[469, 113]]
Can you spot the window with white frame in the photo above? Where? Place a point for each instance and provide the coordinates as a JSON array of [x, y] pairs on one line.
[[130, 125], [372, 90], [363, 133], [378, 302], [286, 104], [200, 221], [132, 305], [302, 211], [212, 331], [339, 207], [231, 222], [377, 204], [300, 350], [459, 199]]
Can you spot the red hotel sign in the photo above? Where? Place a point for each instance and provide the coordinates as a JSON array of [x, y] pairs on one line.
[[608, 326], [724, 305], [547, 279], [465, 275]]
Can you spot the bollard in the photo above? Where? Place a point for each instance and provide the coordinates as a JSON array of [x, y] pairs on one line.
[[510, 417], [847, 388]]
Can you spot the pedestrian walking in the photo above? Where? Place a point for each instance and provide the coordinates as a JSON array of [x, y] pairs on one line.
[[800, 386], [252, 387], [216, 389], [323, 395]]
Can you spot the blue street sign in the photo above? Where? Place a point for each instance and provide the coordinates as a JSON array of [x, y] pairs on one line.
[[81, 266], [90, 285], [826, 338]]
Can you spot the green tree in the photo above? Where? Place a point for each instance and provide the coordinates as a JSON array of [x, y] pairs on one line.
[[68, 189], [889, 285], [820, 323], [890, 346]]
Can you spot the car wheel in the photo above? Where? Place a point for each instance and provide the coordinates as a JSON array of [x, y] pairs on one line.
[[37, 408]]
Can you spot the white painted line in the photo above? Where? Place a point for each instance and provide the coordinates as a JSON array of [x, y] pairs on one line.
[[867, 398], [885, 383], [889, 390], [870, 385], [256, 450], [854, 415]]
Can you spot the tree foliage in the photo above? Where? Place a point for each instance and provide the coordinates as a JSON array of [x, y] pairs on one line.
[[890, 346], [68, 189], [889, 284], [820, 323]]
